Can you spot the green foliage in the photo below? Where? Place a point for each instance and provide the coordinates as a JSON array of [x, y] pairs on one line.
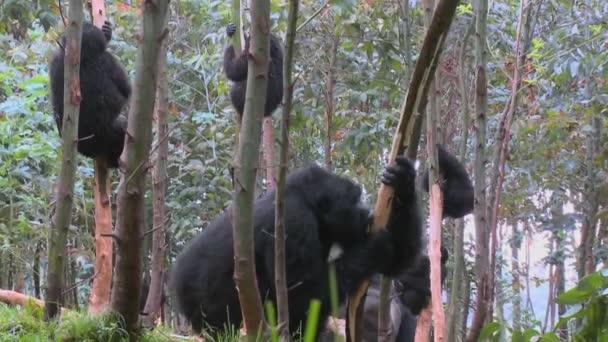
[[588, 302]]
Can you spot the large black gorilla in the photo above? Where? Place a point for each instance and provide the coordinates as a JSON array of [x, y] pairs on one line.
[[104, 88], [321, 209], [411, 289], [236, 70]]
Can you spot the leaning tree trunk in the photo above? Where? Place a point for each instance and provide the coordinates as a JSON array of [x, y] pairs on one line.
[[418, 90], [153, 308], [65, 190], [130, 212], [246, 167]]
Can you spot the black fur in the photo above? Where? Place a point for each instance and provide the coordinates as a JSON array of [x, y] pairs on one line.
[[104, 88], [236, 70], [457, 190], [321, 209], [410, 294], [411, 290]]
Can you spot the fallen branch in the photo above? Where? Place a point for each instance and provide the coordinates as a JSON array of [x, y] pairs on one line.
[[15, 298]]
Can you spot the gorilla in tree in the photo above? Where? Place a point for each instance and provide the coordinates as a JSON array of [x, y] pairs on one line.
[[321, 209], [456, 186], [236, 70], [104, 88]]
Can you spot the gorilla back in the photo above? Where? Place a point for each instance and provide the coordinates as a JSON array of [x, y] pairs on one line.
[[321, 209], [236, 67], [104, 89]]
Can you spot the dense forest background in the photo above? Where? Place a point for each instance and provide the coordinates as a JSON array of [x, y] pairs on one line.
[[352, 65]]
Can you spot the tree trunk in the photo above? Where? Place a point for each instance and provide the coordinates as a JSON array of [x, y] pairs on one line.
[[69, 141], [36, 271], [98, 12], [455, 307], [481, 233], [436, 212], [515, 280], [586, 262], [153, 305], [279, 242], [131, 191], [501, 150], [329, 99], [245, 171], [102, 280]]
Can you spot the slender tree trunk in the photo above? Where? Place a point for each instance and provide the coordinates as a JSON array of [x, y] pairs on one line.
[[329, 100], [481, 233], [455, 306], [73, 283], [237, 39], [561, 282], [501, 150], [435, 204], [36, 271], [279, 244], [126, 289], [466, 290], [245, 171], [65, 190], [159, 189], [515, 280], [586, 262]]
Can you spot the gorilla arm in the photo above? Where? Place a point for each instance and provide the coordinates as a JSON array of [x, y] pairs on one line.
[[457, 189], [405, 222], [236, 66]]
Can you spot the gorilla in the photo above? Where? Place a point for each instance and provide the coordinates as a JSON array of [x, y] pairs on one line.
[[104, 88], [411, 289], [410, 294], [322, 209], [236, 70]]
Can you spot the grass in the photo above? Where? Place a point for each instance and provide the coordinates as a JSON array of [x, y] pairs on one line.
[[26, 324]]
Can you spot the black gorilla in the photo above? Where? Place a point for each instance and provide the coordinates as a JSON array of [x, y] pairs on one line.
[[457, 189], [104, 88], [411, 290], [321, 209], [236, 70], [410, 294]]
